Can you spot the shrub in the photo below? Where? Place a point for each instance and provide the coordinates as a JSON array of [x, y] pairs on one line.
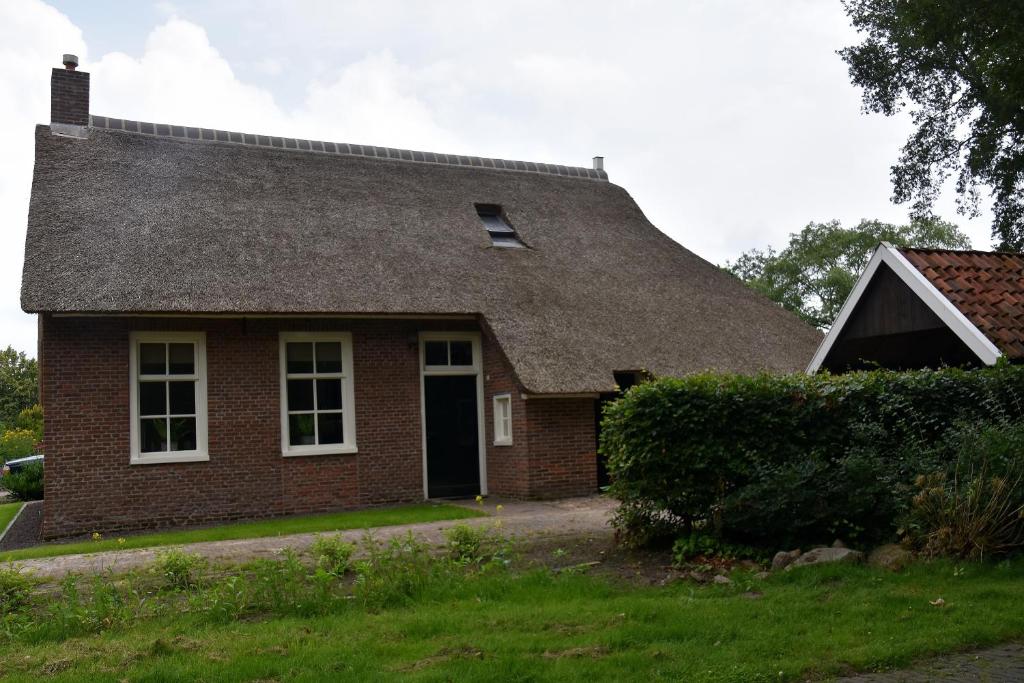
[[395, 572], [17, 443], [332, 554], [27, 483], [776, 460], [695, 545], [977, 510], [179, 570], [481, 546], [15, 591]]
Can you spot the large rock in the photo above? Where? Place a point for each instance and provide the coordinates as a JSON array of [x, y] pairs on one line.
[[826, 556], [892, 557], [783, 559]]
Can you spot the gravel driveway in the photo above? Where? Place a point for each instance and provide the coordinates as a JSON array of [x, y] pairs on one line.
[[573, 517]]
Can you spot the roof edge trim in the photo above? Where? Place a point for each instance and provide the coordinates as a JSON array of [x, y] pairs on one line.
[[284, 144], [948, 313]]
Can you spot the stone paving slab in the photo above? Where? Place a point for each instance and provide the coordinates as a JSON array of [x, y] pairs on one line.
[[573, 517], [1003, 664]]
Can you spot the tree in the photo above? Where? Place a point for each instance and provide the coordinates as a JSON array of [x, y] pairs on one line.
[[18, 384], [960, 63], [816, 272]]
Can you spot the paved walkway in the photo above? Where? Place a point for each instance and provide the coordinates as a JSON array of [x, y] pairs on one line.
[[574, 517], [1003, 664]]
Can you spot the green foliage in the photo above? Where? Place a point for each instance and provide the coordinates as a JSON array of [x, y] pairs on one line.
[[476, 545], [26, 483], [817, 270], [696, 545], [781, 461], [394, 573], [19, 388], [17, 443], [31, 419], [332, 554], [957, 65], [180, 571], [977, 509], [15, 591]]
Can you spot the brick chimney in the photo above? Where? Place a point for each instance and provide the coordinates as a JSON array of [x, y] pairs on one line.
[[69, 95]]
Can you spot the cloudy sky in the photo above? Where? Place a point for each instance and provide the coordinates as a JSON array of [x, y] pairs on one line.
[[731, 122]]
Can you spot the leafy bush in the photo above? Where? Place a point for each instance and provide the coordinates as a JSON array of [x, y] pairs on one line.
[[479, 546], [26, 483], [31, 419], [774, 461], [179, 570], [332, 554], [395, 572], [977, 510], [17, 443], [696, 544], [15, 591]]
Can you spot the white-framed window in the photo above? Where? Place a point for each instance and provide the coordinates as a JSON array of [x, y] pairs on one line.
[[502, 404], [168, 397], [317, 400]]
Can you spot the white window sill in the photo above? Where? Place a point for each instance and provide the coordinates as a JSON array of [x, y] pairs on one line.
[[326, 449], [158, 459], [503, 442]]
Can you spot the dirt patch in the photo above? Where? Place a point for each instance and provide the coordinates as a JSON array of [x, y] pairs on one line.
[[27, 529], [591, 652], [444, 655]]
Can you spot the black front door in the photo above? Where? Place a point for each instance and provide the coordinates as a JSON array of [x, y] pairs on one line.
[[453, 438]]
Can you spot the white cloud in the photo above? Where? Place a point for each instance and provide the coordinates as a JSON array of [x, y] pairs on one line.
[[732, 123], [33, 36]]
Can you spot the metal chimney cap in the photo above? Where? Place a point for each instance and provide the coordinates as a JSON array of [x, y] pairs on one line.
[[70, 62], [598, 163]]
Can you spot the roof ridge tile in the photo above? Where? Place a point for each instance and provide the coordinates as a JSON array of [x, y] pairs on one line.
[[191, 133]]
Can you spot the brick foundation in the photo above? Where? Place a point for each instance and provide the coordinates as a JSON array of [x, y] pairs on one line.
[[90, 485]]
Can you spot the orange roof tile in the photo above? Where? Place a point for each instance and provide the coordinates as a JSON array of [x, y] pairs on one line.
[[987, 287]]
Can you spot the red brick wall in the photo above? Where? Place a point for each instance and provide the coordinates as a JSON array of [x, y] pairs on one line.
[[563, 447], [90, 485]]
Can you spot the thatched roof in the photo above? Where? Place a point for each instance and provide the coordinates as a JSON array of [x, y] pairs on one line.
[[126, 222]]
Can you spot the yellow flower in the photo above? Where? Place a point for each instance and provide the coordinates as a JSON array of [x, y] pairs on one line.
[[499, 507], [121, 541], [97, 536], [479, 500]]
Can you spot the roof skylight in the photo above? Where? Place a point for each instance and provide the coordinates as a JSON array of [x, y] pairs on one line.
[[501, 232]]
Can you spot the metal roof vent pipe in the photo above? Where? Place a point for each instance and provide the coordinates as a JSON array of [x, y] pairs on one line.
[[598, 163]]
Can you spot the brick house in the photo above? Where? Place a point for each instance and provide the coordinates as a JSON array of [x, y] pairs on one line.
[[234, 325]]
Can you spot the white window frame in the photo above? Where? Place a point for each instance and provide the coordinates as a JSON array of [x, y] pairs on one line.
[[202, 450], [502, 436], [348, 403]]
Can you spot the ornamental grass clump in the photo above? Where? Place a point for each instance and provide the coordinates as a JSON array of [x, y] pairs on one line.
[[976, 509]]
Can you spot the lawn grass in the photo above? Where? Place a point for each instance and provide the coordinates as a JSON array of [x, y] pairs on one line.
[[282, 526], [7, 512], [816, 621]]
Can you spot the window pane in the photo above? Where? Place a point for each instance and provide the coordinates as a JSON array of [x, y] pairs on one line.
[[152, 398], [182, 357], [330, 427], [328, 357], [436, 352], [328, 394], [300, 430], [300, 394], [152, 359], [183, 398], [462, 353], [183, 434], [300, 356], [154, 435]]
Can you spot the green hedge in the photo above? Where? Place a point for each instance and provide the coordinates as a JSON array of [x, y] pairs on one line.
[[786, 460]]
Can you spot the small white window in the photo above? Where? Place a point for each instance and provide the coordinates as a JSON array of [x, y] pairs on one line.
[[503, 420], [317, 404], [168, 397]]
